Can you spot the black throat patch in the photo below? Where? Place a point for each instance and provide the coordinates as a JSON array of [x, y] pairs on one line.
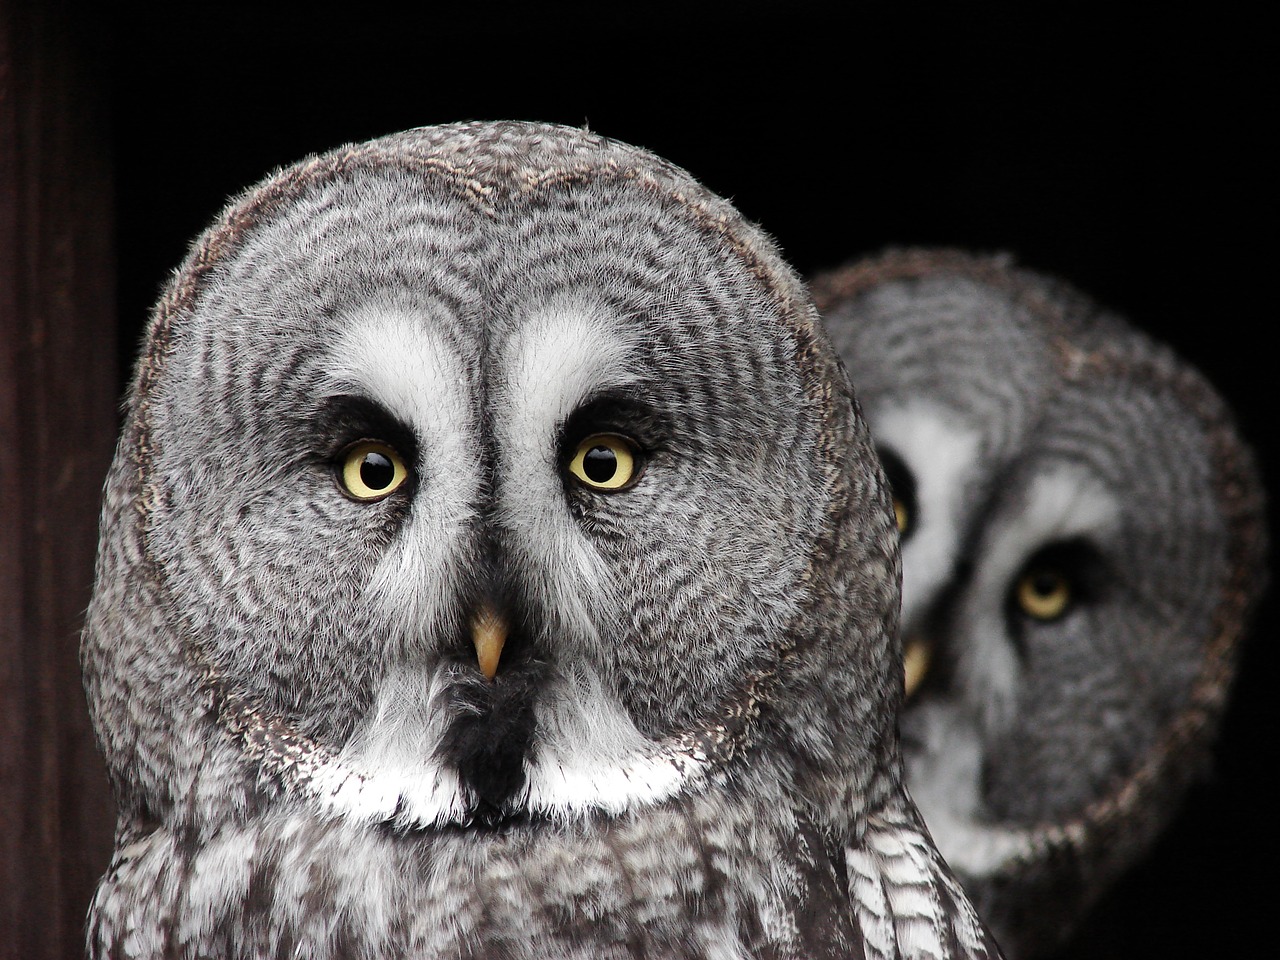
[[491, 734]]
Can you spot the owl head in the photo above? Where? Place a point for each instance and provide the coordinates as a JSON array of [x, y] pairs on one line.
[[1082, 541], [489, 472]]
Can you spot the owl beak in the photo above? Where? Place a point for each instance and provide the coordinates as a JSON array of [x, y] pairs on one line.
[[488, 633], [915, 664]]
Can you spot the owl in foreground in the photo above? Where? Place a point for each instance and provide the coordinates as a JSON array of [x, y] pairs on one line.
[[1082, 542], [494, 564]]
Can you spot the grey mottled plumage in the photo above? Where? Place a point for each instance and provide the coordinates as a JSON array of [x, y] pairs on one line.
[[1082, 546], [355, 454]]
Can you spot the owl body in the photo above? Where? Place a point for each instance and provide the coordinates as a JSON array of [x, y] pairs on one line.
[[464, 590], [1082, 547], [699, 877]]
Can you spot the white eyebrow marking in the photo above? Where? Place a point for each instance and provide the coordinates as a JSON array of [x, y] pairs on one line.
[[1065, 502], [941, 452], [397, 357], [564, 352]]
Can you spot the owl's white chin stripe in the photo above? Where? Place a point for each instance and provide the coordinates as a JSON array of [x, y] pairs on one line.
[[404, 797], [588, 759], [637, 780], [432, 795], [420, 800]]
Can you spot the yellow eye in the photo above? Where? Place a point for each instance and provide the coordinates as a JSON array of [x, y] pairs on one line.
[[1043, 594], [916, 655], [901, 515], [371, 470], [605, 461]]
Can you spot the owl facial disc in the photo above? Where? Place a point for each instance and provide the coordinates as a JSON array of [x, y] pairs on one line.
[[558, 566]]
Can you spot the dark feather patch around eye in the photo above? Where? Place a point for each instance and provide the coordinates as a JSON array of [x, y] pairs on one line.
[[616, 412], [620, 413], [902, 483], [1056, 580], [343, 420]]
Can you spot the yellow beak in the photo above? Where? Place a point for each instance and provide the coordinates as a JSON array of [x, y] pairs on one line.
[[488, 633]]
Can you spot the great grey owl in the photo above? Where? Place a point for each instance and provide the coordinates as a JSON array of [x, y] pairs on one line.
[[1082, 543], [494, 564]]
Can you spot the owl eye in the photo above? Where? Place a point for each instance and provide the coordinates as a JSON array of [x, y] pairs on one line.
[[1043, 593], [901, 516], [903, 486], [605, 461], [370, 470]]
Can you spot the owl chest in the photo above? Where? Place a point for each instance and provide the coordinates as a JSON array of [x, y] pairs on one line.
[[668, 888]]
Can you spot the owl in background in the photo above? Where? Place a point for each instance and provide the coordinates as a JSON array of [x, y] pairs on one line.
[[494, 564], [1083, 545]]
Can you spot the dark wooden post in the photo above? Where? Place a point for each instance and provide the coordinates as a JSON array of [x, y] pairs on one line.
[[58, 399]]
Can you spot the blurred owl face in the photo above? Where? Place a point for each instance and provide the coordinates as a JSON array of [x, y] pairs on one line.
[[1070, 644], [1075, 524]]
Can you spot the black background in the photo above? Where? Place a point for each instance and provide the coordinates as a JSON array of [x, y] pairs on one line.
[[1123, 154]]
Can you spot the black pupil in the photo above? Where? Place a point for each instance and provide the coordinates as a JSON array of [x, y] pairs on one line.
[[1045, 583], [377, 471], [600, 464]]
